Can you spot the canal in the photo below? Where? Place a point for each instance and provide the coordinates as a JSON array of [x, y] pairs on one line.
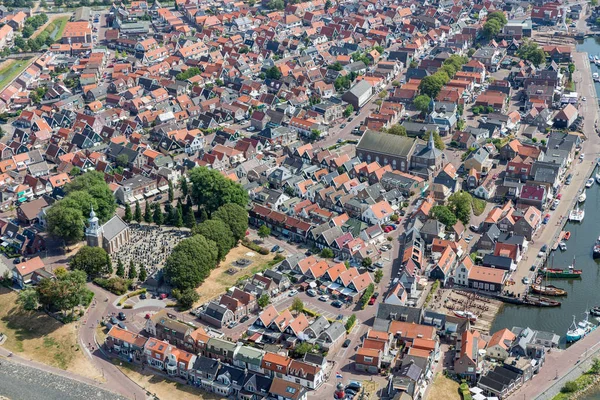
[[582, 293]]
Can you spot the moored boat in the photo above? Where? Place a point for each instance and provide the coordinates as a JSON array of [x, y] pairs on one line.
[[596, 248], [541, 301], [582, 197], [595, 311], [562, 246], [466, 314], [548, 290], [569, 272], [589, 183], [577, 214], [574, 333], [567, 235]]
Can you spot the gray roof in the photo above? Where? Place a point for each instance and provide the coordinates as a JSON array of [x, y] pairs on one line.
[[249, 355], [399, 313], [113, 227], [216, 311], [385, 143], [334, 331]]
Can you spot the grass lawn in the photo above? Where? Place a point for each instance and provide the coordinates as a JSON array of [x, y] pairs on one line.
[[162, 387], [478, 206], [60, 22], [10, 70], [37, 336], [444, 388], [220, 280]]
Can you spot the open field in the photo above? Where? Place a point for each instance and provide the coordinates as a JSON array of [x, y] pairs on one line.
[[10, 70], [39, 337], [443, 388], [54, 27], [160, 386], [220, 280]]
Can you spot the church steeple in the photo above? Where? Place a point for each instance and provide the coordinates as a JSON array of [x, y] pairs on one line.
[[93, 232], [430, 142]]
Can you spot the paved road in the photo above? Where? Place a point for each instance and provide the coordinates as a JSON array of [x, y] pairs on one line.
[[580, 170], [21, 381]]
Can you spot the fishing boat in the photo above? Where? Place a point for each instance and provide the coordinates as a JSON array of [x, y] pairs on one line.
[[541, 301], [586, 325], [574, 333], [582, 197], [595, 311], [567, 273], [548, 290], [598, 175], [577, 214], [567, 235], [562, 246], [589, 183], [466, 314]]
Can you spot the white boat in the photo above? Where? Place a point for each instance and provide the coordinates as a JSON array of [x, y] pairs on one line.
[[574, 333], [577, 214], [589, 183], [466, 314], [562, 246], [598, 178], [582, 197], [595, 76]]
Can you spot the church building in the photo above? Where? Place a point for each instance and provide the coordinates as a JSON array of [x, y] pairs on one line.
[[111, 236]]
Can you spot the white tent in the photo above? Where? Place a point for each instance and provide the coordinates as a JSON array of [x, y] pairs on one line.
[[479, 396], [475, 390]]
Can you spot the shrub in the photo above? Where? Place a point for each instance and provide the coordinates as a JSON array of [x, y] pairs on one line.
[[130, 295], [114, 285], [128, 306], [350, 323], [255, 247], [570, 387]]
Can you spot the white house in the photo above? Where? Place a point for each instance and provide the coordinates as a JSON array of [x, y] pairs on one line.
[[379, 213]]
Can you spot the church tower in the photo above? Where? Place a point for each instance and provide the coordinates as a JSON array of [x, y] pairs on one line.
[[93, 233]]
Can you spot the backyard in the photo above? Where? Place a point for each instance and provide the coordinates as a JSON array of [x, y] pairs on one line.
[[444, 388], [10, 69], [37, 336], [221, 279]]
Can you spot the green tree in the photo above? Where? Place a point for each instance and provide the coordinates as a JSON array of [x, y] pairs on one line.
[[28, 299], [274, 72], [422, 102], [494, 24], [264, 231], [595, 369], [297, 305], [137, 215], [378, 275], [236, 217], [93, 184], [367, 262], [190, 262], [189, 219], [132, 271], [397, 130], [128, 217], [530, 51], [147, 213], [91, 260], [186, 298], [460, 204], [171, 193], [217, 231], [437, 140], [122, 160], [120, 268], [263, 301], [444, 215], [211, 190], [65, 222], [350, 322], [143, 274], [327, 5], [177, 219], [431, 85], [158, 216], [303, 348], [348, 111], [336, 66], [183, 186], [109, 267], [327, 253]]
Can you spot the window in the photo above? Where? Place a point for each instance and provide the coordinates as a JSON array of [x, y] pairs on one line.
[[368, 360]]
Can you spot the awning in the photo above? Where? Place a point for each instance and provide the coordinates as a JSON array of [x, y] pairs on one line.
[[139, 197]]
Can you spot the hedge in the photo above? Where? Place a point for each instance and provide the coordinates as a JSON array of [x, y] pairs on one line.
[[253, 246], [130, 295], [116, 285]]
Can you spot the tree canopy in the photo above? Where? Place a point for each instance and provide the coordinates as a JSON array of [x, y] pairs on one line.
[[236, 218], [421, 103], [460, 204], [437, 140], [191, 261], [530, 51], [273, 72], [494, 24], [397, 130], [217, 231], [444, 215], [211, 190], [432, 84], [91, 260]]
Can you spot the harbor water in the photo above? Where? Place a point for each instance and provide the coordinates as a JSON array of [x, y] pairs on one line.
[[583, 293]]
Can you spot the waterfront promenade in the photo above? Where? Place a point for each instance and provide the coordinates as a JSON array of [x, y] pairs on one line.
[[567, 365]]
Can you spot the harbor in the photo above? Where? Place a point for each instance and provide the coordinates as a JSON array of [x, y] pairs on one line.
[[571, 266]]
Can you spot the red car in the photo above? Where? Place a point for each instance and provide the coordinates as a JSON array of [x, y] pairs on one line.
[[559, 196], [372, 301], [387, 229], [163, 296]]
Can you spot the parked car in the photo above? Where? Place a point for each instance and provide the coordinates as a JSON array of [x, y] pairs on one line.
[[371, 268], [474, 228], [526, 280], [546, 219], [121, 316], [324, 298], [337, 304], [532, 268], [346, 343], [275, 248], [143, 296], [232, 324], [122, 325], [372, 301], [342, 126], [114, 320], [569, 179], [378, 264], [376, 294], [311, 292], [244, 319], [354, 385], [469, 238], [292, 292]]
